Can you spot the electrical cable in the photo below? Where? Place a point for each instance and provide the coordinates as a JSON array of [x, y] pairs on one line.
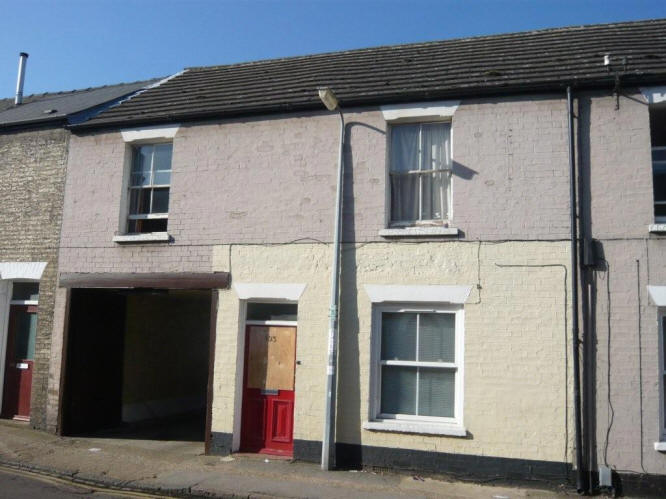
[[611, 410], [640, 355], [609, 403]]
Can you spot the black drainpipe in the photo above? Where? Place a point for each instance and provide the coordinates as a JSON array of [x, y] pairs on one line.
[[580, 472]]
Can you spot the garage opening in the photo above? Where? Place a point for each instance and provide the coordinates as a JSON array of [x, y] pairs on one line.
[[137, 364]]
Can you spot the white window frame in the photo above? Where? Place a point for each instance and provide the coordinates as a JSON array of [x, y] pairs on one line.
[[407, 422], [255, 292], [24, 302], [657, 219], [134, 137], [152, 186], [662, 372], [390, 223]]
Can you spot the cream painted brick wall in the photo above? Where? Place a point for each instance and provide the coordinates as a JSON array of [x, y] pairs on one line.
[[517, 395], [296, 263]]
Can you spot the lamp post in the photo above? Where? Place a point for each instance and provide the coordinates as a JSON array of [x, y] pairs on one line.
[[328, 444]]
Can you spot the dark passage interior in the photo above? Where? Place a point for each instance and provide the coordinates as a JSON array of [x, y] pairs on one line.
[[137, 364]]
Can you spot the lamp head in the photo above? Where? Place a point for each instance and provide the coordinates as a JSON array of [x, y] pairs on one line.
[[328, 98]]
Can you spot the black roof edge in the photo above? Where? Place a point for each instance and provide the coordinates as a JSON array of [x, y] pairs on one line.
[[59, 122], [485, 92], [66, 120]]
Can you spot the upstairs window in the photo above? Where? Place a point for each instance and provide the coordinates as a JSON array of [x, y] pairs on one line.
[[662, 373], [420, 173], [658, 139], [150, 179]]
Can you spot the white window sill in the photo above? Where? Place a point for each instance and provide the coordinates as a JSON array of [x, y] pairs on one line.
[[657, 228], [419, 231], [147, 237], [660, 446], [425, 428]]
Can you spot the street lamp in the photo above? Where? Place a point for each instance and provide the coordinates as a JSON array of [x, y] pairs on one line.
[[329, 100]]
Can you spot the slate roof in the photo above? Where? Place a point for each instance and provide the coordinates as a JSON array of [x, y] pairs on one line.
[[64, 107], [530, 61]]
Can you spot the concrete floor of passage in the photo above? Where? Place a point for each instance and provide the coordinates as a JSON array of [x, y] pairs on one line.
[[182, 428]]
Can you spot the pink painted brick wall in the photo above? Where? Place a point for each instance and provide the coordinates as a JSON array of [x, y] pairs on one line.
[[272, 180]]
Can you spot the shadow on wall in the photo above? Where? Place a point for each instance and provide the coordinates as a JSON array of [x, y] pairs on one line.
[[588, 287], [462, 171], [348, 422]]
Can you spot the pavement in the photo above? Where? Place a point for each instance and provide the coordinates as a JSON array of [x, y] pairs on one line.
[[139, 466]]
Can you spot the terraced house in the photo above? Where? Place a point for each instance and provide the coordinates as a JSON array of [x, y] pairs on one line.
[[501, 208], [33, 158]]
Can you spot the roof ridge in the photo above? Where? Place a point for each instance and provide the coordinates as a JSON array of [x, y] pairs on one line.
[[430, 42]]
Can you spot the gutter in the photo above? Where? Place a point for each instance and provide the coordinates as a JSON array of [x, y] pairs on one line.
[[575, 341], [52, 121]]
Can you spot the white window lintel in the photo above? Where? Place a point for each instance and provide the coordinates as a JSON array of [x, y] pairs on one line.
[[22, 270], [654, 95], [268, 291], [379, 293], [658, 295], [422, 110], [165, 132]]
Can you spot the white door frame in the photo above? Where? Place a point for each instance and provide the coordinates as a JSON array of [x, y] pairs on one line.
[[5, 297], [256, 293]]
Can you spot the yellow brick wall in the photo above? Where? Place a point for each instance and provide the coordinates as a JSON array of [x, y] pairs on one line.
[[516, 347]]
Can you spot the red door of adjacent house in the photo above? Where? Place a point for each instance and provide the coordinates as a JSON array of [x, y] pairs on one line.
[[21, 335], [268, 390]]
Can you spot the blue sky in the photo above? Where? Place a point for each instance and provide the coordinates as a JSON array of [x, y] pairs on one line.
[[83, 43]]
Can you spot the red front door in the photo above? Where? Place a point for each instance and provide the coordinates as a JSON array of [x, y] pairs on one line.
[[21, 335], [268, 390]]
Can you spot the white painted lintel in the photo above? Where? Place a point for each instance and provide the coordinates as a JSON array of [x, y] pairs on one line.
[[390, 293], [654, 95], [268, 291], [166, 132], [420, 110], [22, 270], [658, 295]]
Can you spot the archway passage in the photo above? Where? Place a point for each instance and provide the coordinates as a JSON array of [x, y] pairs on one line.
[[137, 364]]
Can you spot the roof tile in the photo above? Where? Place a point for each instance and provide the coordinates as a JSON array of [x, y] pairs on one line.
[[518, 62]]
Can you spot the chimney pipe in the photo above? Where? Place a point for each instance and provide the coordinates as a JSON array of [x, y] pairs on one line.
[[23, 58]]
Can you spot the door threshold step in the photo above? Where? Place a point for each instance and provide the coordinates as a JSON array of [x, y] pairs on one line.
[[263, 455]]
